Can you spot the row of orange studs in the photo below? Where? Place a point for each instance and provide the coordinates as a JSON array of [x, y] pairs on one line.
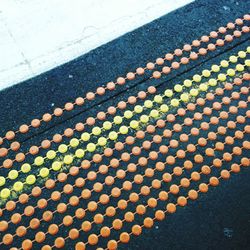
[[10, 135]]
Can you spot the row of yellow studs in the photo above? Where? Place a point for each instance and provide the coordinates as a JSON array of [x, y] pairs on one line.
[[68, 159]]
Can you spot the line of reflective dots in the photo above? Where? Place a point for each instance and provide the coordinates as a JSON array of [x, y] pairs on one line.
[[79, 153], [11, 205], [10, 135]]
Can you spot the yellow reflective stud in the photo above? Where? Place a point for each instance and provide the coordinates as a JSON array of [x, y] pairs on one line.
[[96, 131], [85, 136], [123, 130], [247, 62], [158, 99], [164, 108], [203, 87], [13, 174], [56, 166], [74, 142], [194, 92], [242, 54], [231, 72], [215, 68], [134, 124], [148, 104], [91, 147], [168, 93], [18, 186], [25, 168], [240, 67], [197, 78], [187, 83], [51, 154], [178, 88], [107, 125], [68, 159], [102, 141], [128, 114], [117, 120], [222, 77], [212, 82], [31, 179], [2, 181], [233, 59], [206, 73], [44, 172], [184, 97], [224, 64], [175, 102], [5, 193], [79, 153], [154, 113], [248, 49], [39, 161], [144, 119], [113, 135], [138, 109], [63, 148]]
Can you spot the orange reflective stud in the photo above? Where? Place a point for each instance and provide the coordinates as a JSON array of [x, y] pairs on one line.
[[59, 242], [110, 211], [67, 220], [7, 239], [86, 226], [36, 191], [46, 247], [117, 224], [73, 233], [10, 205], [47, 216], [34, 223], [203, 187], [42, 203], [217, 163], [177, 171], [148, 222], [235, 168], [185, 182], [61, 208], [93, 239], [124, 237], [225, 174], [174, 189], [136, 230], [206, 170], [163, 195], [129, 216], [122, 204], [171, 208], [105, 232], [112, 245], [182, 201], [98, 219], [53, 229], [193, 194], [160, 215], [3, 226], [21, 231], [195, 176], [214, 181], [27, 244], [15, 218], [40, 237]]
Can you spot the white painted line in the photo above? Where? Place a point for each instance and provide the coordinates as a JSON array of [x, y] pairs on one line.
[[36, 35]]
